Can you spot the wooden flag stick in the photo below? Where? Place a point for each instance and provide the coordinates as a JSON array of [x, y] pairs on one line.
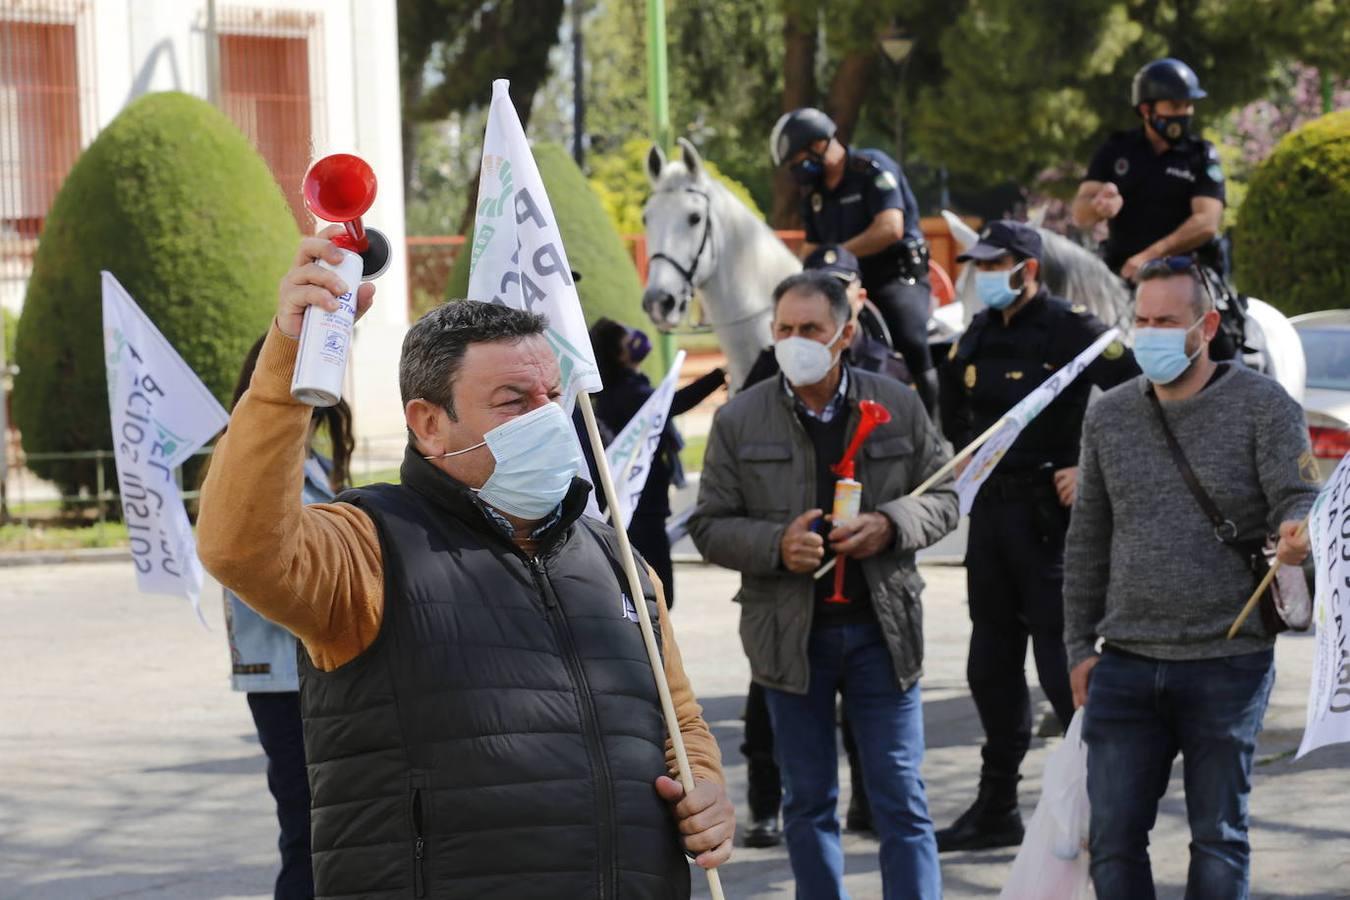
[[1262, 588], [933, 479], [644, 618]]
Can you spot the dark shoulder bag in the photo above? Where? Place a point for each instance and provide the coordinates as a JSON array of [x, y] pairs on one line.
[[1225, 532]]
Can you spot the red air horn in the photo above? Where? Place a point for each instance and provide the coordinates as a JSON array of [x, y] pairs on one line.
[[340, 188], [847, 491]]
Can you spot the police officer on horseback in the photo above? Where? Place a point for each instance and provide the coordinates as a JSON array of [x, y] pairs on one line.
[[1160, 189], [859, 199]]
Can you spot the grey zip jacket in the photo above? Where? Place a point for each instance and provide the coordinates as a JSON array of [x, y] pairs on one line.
[[759, 474]]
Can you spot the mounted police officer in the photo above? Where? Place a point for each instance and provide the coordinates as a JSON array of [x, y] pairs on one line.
[[1160, 188], [859, 199], [1015, 551]]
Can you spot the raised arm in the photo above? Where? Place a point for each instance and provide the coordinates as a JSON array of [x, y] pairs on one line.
[[314, 570]]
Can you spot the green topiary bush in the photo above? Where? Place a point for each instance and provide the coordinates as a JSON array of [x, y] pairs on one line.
[[172, 200], [609, 285], [1293, 232]]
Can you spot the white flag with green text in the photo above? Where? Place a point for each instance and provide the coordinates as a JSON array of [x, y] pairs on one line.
[[1029, 407], [630, 454], [517, 257], [161, 415]]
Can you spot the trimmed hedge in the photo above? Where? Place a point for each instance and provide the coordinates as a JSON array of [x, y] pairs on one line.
[[609, 283], [1293, 232], [175, 202]]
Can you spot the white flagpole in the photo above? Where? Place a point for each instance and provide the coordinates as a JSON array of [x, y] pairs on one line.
[[644, 618]]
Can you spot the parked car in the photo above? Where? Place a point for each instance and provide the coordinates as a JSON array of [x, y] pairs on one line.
[[1326, 344]]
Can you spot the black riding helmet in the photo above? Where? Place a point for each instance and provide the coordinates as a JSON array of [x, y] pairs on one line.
[[797, 130], [1165, 79]]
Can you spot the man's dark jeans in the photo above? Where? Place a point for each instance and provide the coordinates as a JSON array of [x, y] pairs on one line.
[[277, 718], [1140, 713], [888, 726]]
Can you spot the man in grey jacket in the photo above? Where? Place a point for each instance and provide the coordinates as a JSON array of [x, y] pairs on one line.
[[766, 482], [1152, 576]]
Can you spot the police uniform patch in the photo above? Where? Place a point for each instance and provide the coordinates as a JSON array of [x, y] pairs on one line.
[[1215, 172], [885, 181], [1307, 468], [1122, 166], [970, 377], [831, 257], [817, 202], [951, 354], [1078, 309], [1114, 350], [1015, 376]]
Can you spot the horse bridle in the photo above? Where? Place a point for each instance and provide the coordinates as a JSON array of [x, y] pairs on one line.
[[689, 273]]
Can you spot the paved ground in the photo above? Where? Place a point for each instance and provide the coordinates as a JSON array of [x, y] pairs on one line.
[[129, 770]]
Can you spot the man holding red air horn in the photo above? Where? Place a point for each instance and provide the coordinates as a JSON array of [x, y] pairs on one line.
[[767, 478], [480, 719]]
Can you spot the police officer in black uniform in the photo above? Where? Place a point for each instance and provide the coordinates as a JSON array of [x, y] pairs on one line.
[[860, 200], [1160, 187], [1015, 548]]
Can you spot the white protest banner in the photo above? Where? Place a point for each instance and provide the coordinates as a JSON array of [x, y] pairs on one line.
[[1329, 692], [630, 454], [161, 415], [517, 257], [1017, 418]]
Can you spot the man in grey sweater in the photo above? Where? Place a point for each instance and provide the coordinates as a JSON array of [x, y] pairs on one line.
[[1145, 574]]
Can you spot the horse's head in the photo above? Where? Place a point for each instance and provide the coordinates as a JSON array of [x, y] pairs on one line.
[[680, 247]]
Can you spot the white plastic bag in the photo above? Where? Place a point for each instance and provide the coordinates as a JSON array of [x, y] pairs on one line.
[[1052, 863]]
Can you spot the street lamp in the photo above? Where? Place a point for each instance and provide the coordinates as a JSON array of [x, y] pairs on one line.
[[896, 45]]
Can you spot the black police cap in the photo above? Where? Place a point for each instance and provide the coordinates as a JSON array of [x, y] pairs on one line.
[[1165, 79], [835, 260], [1005, 236], [795, 131]]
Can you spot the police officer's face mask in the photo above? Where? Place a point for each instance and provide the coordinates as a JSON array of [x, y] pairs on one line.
[[809, 170], [995, 289], [1173, 129]]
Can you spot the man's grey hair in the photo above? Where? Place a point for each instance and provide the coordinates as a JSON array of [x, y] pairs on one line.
[[813, 282], [434, 348], [1202, 301]]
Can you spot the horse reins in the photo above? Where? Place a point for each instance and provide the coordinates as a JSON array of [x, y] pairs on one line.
[[688, 274]]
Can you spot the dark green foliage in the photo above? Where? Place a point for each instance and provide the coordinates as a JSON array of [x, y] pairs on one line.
[[609, 285], [1293, 233], [174, 202]]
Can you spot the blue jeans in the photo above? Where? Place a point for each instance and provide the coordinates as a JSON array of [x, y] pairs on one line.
[[888, 728], [1140, 713]]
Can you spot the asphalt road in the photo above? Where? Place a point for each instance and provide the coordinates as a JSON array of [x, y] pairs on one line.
[[128, 769]]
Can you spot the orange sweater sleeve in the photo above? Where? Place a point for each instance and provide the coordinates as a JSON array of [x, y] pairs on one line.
[[315, 570], [705, 759]]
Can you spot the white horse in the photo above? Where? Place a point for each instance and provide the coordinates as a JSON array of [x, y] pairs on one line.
[[701, 237], [1082, 278]]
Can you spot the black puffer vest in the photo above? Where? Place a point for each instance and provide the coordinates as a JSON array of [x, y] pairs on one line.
[[501, 735]]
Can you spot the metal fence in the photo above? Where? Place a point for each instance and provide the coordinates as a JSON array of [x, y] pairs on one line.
[[28, 500]]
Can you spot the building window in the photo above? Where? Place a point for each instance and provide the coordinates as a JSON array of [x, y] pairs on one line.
[[40, 116], [266, 88]]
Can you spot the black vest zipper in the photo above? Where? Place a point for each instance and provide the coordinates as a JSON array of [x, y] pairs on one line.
[[590, 725]]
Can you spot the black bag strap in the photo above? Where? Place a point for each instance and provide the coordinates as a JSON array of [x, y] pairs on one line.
[[1225, 532]]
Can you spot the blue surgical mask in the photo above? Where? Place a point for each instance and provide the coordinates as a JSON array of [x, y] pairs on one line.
[[537, 457], [1161, 352], [995, 289]]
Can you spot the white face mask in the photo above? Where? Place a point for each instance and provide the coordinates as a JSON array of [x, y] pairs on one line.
[[805, 362], [537, 457]]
